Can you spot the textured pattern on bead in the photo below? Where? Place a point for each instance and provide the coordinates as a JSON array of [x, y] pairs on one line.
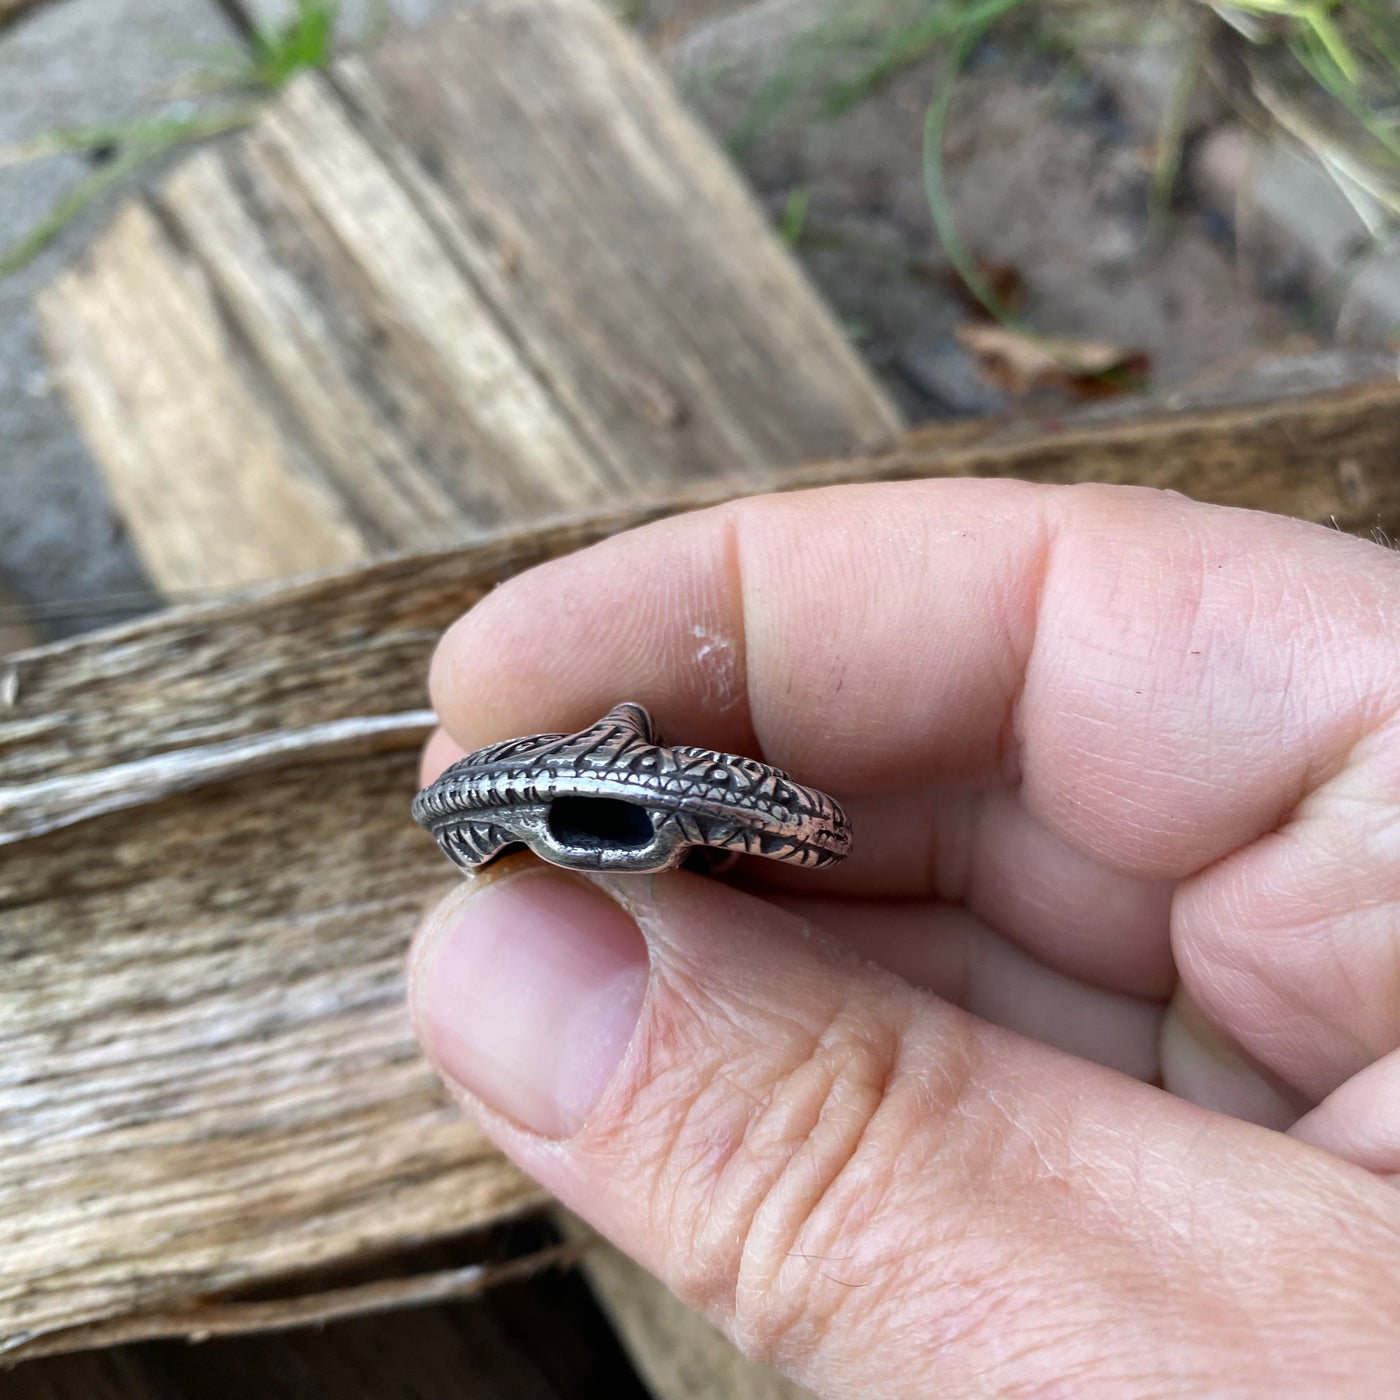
[[615, 797]]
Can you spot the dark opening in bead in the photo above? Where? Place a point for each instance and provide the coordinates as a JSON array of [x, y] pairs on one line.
[[599, 823]]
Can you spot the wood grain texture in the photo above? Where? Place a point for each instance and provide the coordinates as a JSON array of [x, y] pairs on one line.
[[233, 1076], [187, 440], [201, 1024], [477, 1350], [199, 1320], [492, 272], [483, 277], [691, 349], [361, 328]]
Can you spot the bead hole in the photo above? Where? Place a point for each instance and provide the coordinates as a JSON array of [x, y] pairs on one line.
[[599, 823]]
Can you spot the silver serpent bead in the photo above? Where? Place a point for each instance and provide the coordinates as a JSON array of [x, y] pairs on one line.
[[614, 797]]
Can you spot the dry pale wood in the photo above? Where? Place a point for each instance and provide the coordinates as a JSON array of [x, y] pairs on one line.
[[358, 328], [198, 1321], [462, 1350], [188, 438], [417, 332], [686, 375], [493, 272], [210, 1079], [201, 1025]]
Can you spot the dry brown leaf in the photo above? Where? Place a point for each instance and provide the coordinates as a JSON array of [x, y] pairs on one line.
[[1003, 281], [1018, 362]]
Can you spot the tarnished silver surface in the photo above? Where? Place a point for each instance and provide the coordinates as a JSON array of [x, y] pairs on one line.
[[614, 797]]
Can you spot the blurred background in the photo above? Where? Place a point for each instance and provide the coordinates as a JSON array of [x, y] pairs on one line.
[[1010, 204]]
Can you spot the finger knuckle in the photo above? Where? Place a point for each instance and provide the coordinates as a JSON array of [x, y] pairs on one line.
[[793, 1224]]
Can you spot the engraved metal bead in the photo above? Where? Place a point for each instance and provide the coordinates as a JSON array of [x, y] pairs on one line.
[[615, 797]]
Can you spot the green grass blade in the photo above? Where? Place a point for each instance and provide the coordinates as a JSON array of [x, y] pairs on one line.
[[935, 128], [794, 216], [153, 141], [1317, 61]]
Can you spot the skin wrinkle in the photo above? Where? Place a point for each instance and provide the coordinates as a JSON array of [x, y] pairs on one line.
[[1212, 959], [934, 1304], [1359, 720], [985, 894], [1371, 714], [1012, 743], [856, 1056], [722, 1217], [1206, 1216], [695, 1103], [1195, 623], [1365, 1047], [975, 1304], [716, 1162], [738, 1162]]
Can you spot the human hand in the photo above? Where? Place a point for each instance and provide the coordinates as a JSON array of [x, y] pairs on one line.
[[1124, 777]]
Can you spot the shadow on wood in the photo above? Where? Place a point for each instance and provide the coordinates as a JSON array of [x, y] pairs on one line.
[[202, 1016]]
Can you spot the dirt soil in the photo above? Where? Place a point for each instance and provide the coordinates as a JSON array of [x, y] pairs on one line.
[[1044, 176]]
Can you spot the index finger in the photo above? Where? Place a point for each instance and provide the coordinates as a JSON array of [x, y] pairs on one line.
[[1163, 680]]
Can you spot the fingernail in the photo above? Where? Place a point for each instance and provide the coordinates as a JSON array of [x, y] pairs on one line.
[[526, 993]]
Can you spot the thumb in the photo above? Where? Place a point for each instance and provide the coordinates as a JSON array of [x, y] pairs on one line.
[[876, 1192]]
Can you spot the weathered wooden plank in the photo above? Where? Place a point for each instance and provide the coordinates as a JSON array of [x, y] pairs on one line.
[[456, 1351], [690, 347], [387, 362], [399, 370], [185, 679], [232, 1073], [364, 327], [422, 1287], [201, 1024], [188, 440]]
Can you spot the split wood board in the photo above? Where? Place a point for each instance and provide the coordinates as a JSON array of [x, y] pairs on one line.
[[493, 272], [477, 277], [208, 878]]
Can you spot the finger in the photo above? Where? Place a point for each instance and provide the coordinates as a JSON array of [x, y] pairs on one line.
[[439, 753], [1149, 669], [1313, 992], [985, 851], [1361, 1120], [873, 1190], [943, 948], [1164, 682], [982, 849], [1205, 1066], [950, 952]]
